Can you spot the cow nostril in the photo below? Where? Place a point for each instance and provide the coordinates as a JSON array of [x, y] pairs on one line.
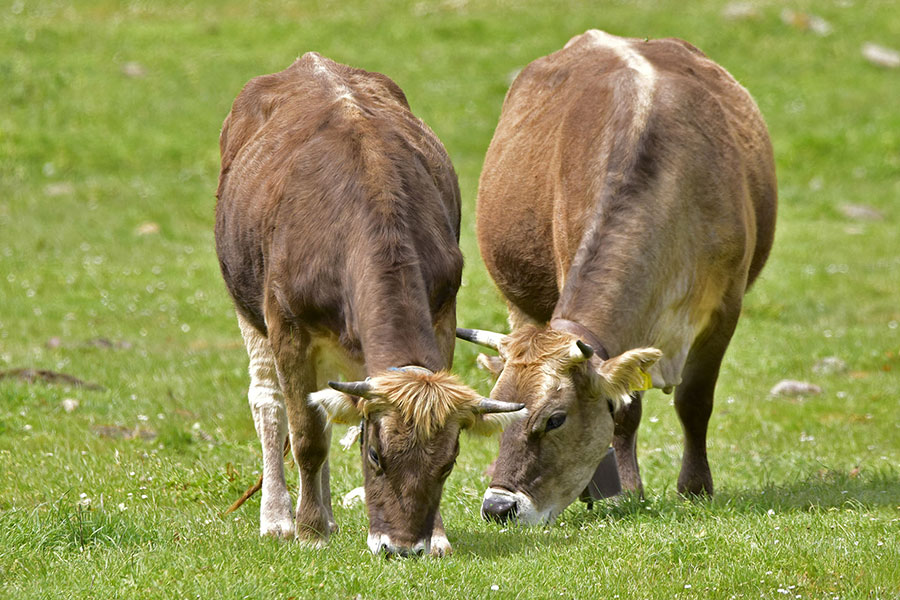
[[384, 548], [499, 508]]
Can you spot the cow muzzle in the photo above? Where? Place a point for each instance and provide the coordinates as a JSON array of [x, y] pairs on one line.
[[502, 505], [499, 505], [381, 543]]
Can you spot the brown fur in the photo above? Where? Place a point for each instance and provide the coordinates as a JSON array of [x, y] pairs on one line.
[[337, 228], [629, 191]]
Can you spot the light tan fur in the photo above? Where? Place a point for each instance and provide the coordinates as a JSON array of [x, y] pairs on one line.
[[422, 401], [627, 199]]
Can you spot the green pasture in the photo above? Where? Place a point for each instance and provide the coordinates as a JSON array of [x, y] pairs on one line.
[[109, 121]]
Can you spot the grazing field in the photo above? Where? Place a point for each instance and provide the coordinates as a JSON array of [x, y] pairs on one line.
[[109, 120]]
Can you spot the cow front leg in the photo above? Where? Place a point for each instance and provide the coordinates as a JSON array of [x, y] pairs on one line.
[[309, 432], [440, 545], [627, 420], [270, 419], [694, 398]]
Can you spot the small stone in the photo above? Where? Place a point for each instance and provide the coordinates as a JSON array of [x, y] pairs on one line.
[[829, 366], [133, 69], [861, 212], [60, 188], [739, 11], [148, 228], [806, 22], [790, 387], [881, 55]]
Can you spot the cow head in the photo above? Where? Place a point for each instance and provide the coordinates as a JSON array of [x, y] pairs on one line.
[[571, 396], [409, 440]]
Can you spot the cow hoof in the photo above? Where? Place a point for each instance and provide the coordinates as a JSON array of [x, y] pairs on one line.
[[696, 487], [313, 535], [275, 518], [696, 492], [440, 546], [282, 530], [316, 543]]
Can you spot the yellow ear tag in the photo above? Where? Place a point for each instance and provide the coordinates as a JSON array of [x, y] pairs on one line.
[[646, 382]]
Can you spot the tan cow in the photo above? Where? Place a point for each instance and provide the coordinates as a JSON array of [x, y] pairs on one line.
[[627, 202], [337, 225]]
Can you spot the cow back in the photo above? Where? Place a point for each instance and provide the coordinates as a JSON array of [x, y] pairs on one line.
[[627, 177], [329, 180]]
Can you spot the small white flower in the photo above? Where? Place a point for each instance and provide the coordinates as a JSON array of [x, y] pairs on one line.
[[143, 496], [495, 587], [770, 512], [687, 586], [122, 506]]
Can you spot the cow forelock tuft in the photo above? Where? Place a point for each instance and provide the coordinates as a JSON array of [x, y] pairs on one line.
[[424, 401], [533, 345]]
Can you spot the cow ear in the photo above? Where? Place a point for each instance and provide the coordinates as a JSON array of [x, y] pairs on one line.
[[621, 375], [489, 424], [337, 406], [491, 364]]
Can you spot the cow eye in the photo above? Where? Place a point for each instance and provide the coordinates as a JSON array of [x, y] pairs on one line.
[[447, 470], [555, 421], [374, 459]]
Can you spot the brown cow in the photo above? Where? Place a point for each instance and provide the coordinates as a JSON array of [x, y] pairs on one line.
[[627, 202], [337, 225]]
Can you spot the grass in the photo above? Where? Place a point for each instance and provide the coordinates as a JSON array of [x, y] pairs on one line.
[[808, 497]]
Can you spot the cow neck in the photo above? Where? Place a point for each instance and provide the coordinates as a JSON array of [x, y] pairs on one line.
[[396, 334], [414, 347], [585, 334]]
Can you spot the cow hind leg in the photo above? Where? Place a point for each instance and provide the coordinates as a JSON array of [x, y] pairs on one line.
[[694, 402], [270, 419], [309, 431], [627, 420]]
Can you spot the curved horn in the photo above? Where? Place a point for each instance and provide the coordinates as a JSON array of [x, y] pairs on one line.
[[487, 406], [580, 352], [363, 389], [481, 337]]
